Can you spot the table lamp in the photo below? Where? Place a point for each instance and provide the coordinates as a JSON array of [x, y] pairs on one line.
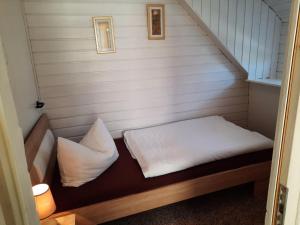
[[45, 205]]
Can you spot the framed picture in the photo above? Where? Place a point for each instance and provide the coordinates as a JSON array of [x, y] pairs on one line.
[[156, 21], [104, 32]]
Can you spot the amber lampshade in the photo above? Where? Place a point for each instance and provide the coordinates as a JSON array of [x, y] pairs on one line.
[[44, 202]]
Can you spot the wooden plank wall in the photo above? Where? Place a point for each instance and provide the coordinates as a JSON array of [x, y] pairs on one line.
[[144, 83], [282, 9], [282, 48], [249, 29]]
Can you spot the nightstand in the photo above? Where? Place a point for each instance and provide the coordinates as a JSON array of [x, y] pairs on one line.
[[68, 219]]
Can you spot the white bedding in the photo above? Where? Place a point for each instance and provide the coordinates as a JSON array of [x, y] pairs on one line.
[[173, 147]]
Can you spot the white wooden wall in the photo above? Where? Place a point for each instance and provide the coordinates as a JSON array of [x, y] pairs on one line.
[[249, 29], [282, 47], [281, 7], [144, 83]]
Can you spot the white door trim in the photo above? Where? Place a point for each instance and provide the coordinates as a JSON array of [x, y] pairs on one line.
[[284, 116], [17, 204]]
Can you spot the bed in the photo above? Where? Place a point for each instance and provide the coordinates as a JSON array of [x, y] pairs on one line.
[[123, 190]]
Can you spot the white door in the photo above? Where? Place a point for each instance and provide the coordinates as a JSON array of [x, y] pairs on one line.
[[283, 204]]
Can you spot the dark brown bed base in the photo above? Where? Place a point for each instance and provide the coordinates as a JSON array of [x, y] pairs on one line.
[[122, 190], [125, 178]]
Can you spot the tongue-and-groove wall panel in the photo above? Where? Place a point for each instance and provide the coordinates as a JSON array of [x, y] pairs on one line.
[[144, 83], [249, 29]]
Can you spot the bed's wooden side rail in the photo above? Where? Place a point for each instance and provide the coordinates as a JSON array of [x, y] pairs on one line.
[[132, 204]]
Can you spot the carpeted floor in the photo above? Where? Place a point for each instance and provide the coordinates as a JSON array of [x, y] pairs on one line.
[[235, 206]]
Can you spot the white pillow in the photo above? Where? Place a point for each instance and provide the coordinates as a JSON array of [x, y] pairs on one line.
[[98, 138], [81, 163]]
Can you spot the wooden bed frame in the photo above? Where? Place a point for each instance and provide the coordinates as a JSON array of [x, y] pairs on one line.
[[120, 207]]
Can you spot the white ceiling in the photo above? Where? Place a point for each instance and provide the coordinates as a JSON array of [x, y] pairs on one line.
[[281, 7]]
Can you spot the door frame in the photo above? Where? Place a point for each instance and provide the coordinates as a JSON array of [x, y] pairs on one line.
[[287, 113], [16, 203]]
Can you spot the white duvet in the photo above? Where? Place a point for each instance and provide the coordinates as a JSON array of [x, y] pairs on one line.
[[173, 147]]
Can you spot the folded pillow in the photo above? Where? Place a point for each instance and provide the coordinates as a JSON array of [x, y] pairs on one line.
[[83, 162], [98, 138]]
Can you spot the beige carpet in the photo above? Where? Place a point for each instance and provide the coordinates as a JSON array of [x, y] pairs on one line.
[[235, 206]]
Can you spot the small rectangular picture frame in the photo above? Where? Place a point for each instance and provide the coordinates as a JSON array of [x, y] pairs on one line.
[[156, 21], [104, 34]]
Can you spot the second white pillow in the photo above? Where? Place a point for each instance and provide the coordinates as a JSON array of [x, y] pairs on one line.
[[78, 164], [83, 162], [98, 138]]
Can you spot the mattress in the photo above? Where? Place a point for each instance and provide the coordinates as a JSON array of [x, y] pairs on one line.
[[177, 146], [125, 177]]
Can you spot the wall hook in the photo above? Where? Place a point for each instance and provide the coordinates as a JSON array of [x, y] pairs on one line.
[[39, 105]]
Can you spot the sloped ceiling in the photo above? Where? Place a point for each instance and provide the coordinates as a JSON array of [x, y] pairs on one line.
[[248, 29], [281, 7]]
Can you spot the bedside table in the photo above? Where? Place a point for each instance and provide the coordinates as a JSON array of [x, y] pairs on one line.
[[68, 219]]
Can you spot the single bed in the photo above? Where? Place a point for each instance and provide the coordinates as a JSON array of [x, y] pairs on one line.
[[122, 190]]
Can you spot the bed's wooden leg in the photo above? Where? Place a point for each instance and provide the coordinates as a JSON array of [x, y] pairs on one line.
[[261, 188]]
